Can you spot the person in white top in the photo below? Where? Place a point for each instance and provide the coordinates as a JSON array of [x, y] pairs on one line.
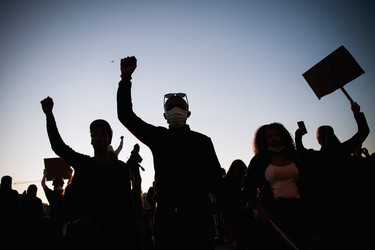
[[275, 185]]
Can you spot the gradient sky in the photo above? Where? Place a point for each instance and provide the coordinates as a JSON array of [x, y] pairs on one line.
[[240, 63]]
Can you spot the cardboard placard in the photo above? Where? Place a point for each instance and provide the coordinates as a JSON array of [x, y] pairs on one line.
[[56, 167], [333, 72]]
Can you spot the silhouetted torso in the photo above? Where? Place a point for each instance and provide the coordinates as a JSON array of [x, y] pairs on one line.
[[186, 171], [10, 209], [32, 221]]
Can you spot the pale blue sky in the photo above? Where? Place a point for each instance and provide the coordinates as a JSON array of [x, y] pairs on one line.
[[240, 63]]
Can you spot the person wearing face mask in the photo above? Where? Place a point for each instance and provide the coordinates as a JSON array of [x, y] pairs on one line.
[[277, 187], [186, 167]]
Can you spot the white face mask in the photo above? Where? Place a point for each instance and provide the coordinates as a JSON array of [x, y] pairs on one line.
[[176, 117]]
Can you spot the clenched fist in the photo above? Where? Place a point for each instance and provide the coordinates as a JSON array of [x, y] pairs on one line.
[[47, 105], [128, 65]]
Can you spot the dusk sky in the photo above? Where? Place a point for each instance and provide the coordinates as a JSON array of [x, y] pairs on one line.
[[239, 62]]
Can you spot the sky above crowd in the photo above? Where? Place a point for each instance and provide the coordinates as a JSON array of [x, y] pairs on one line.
[[239, 62]]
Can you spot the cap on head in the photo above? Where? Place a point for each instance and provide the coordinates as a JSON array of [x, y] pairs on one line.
[[103, 124]]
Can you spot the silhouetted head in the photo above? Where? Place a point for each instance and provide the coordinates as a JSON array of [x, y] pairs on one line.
[[6, 182], [324, 130], [326, 136], [237, 169], [272, 137], [176, 109], [177, 100], [58, 182], [102, 124], [32, 190], [101, 136]]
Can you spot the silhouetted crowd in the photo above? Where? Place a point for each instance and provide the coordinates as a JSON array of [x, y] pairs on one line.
[[286, 197], [27, 222]]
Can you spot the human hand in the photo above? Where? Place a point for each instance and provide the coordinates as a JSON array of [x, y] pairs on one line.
[[47, 105], [355, 107], [128, 65], [262, 213], [365, 152], [300, 132], [302, 126]]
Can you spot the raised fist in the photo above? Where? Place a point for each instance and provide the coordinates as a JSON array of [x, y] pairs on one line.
[[128, 65], [47, 105]]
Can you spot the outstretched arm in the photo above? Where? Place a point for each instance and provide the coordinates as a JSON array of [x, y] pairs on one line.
[[363, 130], [53, 133], [119, 148], [140, 129], [124, 104], [57, 143], [298, 138]]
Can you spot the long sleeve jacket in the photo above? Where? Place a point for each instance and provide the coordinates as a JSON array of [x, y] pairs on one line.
[[186, 166]]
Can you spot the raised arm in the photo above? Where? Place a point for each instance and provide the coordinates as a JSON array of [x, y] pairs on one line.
[[124, 104], [43, 182], [143, 131], [55, 139], [363, 130], [119, 148]]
